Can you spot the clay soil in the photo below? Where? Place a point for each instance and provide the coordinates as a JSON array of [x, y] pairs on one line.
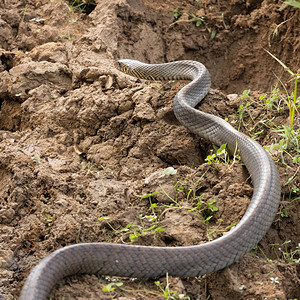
[[81, 143]]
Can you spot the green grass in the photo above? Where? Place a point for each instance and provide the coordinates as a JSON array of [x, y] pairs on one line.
[[176, 13], [85, 7], [295, 4], [291, 99], [283, 140]]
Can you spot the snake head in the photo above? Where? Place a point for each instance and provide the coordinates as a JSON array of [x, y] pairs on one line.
[[131, 67], [123, 66]]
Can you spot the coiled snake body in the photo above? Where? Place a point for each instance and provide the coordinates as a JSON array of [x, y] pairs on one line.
[[144, 261]]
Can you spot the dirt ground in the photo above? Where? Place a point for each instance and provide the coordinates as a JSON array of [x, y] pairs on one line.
[[82, 143]]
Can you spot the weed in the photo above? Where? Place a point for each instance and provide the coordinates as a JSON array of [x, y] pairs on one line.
[[24, 13], [272, 102], [194, 184], [205, 209], [167, 293], [163, 290], [149, 195], [288, 145], [245, 94], [263, 253], [240, 113], [292, 256], [287, 204], [188, 18], [220, 155], [110, 287], [85, 6], [176, 13], [295, 4], [213, 33], [103, 218], [66, 36], [197, 20], [133, 230], [172, 171], [90, 165], [217, 229], [275, 31], [291, 100]]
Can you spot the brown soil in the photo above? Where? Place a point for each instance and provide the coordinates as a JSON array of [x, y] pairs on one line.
[[59, 88]]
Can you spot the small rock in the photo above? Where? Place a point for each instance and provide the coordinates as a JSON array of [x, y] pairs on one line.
[[232, 97]]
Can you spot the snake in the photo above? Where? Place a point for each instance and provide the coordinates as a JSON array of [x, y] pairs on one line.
[[127, 260]]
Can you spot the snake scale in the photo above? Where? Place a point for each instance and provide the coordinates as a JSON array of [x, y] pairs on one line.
[[144, 261]]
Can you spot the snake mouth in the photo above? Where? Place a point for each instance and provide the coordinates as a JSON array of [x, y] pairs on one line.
[[119, 65], [123, 67]]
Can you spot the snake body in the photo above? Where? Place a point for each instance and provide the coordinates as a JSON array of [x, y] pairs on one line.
[[144, 261]]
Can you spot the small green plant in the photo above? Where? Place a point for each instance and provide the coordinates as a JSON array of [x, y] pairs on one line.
[[172, 171], [205, 209], [256, 247], [193, 190], [103, 218], [219, 155], [288, 145], [272, 101], [90, 165], [292, 256], [111, 286], [295, 4], [217, 229], [275, 31], [167, 293], [294, 190], [66, 36], [85, 6], [176, 13], [150, 195], [133, 230], [189, 18], [240, 113], [197, 20], [290, 100]]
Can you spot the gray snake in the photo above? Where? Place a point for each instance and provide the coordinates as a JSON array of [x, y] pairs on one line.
[[143, 261]]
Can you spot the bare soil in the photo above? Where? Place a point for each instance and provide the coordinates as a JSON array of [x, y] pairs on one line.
[[81, 141]]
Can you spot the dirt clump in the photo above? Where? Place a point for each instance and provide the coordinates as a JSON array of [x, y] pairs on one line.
[[81, 144]]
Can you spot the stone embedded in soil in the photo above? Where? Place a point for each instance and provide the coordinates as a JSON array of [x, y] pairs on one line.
[[28, 76]]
